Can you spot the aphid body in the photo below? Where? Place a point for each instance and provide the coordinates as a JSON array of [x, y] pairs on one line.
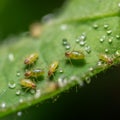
[[31, 59], [105, 58], [34, 73], [53, 68], [27, 83], [76, 55]]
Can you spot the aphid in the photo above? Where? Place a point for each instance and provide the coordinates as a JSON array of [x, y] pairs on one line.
[[34, 73], [75, 55], [27, 83], [105, 58], [31, 59], [53, 68]]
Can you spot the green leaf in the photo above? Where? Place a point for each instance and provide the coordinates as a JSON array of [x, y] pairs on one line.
[[91, 27]]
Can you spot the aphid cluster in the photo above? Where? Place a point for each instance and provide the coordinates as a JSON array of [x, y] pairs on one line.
[[30, 75]]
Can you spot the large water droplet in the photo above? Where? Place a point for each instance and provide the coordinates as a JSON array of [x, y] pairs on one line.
[[62, 81], [82, 37], [117, 53], [19, 113], [88, 49], [21, 100], [18, 92], [11, 57], [82, 43], [63, 27], [38, 93], [117, 36], [106, 26], [11, 84], [67, 47], [110, 40], [88, 80], [109, 32], [106, 50], [18, 73], [77, 40], [3, 105], [95, 26], [47, 18], [65, 42], [32, 91]]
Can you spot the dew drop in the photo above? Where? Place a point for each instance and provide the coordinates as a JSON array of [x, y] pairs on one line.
[[95, 26], [82, 37], [11, 84], [63, 27], [117, 36], [106, 26], [77, 40], [65, 42], [47, 18], [18, 92], [32, 91], [67, 47], [37, 94], [117, 53], [61, 70], [62, 81], [88, 49], [119, 5], [110, 40], [101, 40], [19, 113], [91, 69], [106, 50], [99, 63], [3, 105], [11, 57], [21, 100], [109, 32], [82, 43], [88, 80], [18, 73]]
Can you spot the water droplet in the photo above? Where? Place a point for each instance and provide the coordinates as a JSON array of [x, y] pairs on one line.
[[67, 47], [106, 26], [62, 81], [32, 91], [77, 40], [19, 113], [91, 69], [99, 63], [11, 57], [110, 40], [61, 70], [106, 50], [3, 105], [88, 80], [109, 32], [117, 36], [117, 53], [18, 73], [18, 92], [82, 43], [63, 27], [95, 26], [38, 93], [11, 84], [21, 100], [47, 18], [101, 40], [88, 49], [82, 37]]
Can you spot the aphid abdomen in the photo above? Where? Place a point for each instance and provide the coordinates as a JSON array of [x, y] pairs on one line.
[[77, 55], [27, 83], [37, 72]]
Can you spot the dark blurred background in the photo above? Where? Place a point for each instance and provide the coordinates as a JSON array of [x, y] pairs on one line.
[[100, 100], [17, 15]]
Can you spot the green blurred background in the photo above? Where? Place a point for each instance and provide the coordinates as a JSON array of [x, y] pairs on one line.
[[99, 100]]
